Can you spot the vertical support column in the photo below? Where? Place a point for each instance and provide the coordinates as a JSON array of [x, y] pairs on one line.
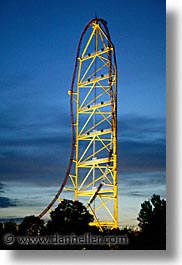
[[115, 183], [115, 154], [77, 133]]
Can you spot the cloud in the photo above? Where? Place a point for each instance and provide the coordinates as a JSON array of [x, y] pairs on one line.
[[141, 143], [137, 128], [2, 187], [37, 150], [142, 156], [142, 184], [7, 202], [137, 180], [136, 194]]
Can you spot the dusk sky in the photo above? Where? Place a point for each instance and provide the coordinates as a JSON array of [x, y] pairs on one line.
[[38, 46]]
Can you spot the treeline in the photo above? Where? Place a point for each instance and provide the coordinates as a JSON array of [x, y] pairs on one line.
[[73, 218]]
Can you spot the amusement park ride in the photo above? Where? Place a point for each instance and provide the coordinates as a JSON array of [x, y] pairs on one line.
[[92, 170]]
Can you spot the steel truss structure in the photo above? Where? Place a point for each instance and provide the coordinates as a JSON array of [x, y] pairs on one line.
[[92, 170]]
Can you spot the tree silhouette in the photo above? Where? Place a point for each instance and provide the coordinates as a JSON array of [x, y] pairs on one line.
[[152, 221], [10, 227], [69, 217], [32, 226], [1, 233], [1, 228]]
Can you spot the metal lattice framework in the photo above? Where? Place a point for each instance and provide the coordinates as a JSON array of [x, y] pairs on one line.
[[92, 170]]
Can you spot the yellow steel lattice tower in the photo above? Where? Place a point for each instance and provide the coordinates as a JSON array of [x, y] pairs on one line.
[[92, 170], [95, 96]]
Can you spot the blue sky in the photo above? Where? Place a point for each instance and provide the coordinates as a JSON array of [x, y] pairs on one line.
[[38, 47]]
